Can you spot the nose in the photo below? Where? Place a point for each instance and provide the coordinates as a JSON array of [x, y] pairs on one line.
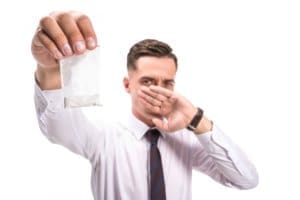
[[160, 83]]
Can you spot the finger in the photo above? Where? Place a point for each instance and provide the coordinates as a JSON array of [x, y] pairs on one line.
[[86, 28], [149, 99], [154, 94], [71, 30], [160, 124], [150, 107], [170, 95], [162, 91], [50, 27], [45, 41]]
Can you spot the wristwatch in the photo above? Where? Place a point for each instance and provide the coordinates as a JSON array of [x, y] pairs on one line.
[[196, 119]]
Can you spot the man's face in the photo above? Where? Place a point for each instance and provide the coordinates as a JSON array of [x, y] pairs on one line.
[[150, 71]]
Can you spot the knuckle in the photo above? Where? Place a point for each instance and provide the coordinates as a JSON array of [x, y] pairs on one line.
[[83, 19], [59, 38], [75, 36], [44, 21], [85, 24], [48, 44], [40, 34], [157, 102], [151, 100], [63, 16]]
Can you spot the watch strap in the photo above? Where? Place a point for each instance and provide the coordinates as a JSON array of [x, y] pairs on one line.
[[196, 119]]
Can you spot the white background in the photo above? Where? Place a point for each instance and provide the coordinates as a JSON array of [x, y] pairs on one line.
[[238, 60]]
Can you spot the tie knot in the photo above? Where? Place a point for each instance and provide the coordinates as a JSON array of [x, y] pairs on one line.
[[153, 135]]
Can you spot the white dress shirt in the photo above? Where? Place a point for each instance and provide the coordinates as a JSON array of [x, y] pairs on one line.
[[119, 152]]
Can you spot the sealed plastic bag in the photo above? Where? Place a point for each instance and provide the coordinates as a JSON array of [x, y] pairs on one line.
[[80, 81]]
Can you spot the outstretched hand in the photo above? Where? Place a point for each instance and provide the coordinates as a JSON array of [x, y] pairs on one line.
[[62, 34], [59, 35]]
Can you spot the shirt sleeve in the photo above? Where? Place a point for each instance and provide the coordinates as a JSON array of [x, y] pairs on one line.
[[221, 159], [68, 127]]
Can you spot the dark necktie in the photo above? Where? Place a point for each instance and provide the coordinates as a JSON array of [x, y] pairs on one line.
[[156, 170]]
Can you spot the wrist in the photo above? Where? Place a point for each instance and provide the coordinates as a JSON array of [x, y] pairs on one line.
[[48, 78], [205, 125], [195, 119], [199, 123]]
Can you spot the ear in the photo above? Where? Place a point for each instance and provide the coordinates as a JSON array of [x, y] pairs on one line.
[[126, 84]]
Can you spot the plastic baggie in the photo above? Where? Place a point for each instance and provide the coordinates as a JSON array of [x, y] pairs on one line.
[[80, 79]]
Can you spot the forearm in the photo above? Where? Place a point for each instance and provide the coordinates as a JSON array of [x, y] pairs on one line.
[[70, 128], [234, 170], [48, 78], [225, 161], [57, 123]]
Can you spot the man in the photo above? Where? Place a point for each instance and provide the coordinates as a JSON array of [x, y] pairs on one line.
[[151, 153]]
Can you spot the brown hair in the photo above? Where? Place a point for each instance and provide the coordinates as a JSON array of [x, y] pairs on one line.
[[149, 47]]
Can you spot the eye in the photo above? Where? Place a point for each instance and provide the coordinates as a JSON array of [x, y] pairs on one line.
[[147, 82], [169, 84]]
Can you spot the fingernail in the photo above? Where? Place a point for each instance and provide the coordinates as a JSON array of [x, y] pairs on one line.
[[67, 50], [79, 46], [91, 43], [58, 55]]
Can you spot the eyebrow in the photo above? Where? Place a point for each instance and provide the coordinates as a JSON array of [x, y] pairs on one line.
[[146, 77], [151, 78], [170, 80]]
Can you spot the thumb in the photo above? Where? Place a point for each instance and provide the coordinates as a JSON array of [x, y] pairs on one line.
[[173, 98], [160, 124]]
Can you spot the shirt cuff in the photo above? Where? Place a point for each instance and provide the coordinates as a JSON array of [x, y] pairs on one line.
[[206, 137], [216, 136], [50, 99]]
